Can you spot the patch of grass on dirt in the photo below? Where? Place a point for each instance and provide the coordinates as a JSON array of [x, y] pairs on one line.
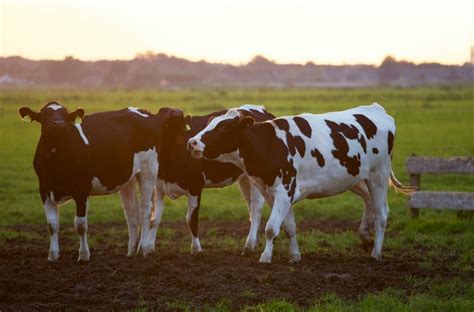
[[451, 295], [450, 234], [7, 234], [316, 241]]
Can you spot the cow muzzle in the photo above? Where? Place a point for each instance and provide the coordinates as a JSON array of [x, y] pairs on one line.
[[195, 148]]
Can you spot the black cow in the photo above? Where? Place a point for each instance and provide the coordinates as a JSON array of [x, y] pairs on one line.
[[104, 154], [180, 174]]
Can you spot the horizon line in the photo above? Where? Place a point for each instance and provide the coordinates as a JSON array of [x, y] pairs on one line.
[[242, 63]]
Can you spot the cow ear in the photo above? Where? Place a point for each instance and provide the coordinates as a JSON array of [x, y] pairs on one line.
[[78, 113], [28, 115], [187, 122], [247, 121]]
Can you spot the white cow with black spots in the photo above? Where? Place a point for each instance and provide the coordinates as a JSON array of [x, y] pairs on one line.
[[309, 156]]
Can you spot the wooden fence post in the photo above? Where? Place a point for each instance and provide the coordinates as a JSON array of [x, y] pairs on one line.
[[415, 180]]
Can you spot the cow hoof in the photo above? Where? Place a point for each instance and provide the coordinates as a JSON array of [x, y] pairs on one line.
[[146, 249], [295, 258], [196, 251], [367, 245], [84, 255], [53, 256], [250, 246], [196, 247], [264, 258], [376, 256]]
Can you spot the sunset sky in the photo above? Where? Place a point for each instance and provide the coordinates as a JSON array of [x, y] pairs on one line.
[[325, 32]]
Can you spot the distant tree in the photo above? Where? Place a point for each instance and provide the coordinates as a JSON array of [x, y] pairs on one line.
[[388, 61], [147, 55], [388, 70], [260, 60]]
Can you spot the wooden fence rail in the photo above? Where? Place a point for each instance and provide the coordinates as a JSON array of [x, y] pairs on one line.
[[438, 200]]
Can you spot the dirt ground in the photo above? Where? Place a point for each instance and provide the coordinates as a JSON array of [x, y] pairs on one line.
[[171, 277]]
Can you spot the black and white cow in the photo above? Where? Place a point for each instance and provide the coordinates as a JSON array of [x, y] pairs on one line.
[[309, 156], [106, 153], [181, 175]]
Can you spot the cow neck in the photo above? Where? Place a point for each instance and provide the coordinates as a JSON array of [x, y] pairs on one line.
[[171, 153], [252, 145]]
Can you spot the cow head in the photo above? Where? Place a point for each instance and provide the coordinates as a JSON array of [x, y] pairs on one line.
[[53, 118], [172, 121], [171, 117], [220, 136]]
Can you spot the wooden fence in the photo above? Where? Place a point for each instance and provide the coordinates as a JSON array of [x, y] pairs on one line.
[[438, 200]]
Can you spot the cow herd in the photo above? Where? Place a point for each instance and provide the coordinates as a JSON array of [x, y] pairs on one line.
[[146, 156]]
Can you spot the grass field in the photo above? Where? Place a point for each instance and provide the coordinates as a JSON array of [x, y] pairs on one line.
[[430, 122]]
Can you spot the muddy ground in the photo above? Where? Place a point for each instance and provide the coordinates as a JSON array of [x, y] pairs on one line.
[[171, 277]]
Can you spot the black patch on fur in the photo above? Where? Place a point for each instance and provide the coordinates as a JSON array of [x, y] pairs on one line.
[[303, 125], [369, 127], [282, 124], [339, 133], [390, 139], [319, 157]]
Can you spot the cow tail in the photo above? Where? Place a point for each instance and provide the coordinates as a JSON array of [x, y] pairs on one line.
[[399, 187]]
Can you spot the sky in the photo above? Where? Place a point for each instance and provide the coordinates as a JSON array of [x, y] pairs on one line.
[[285, 31]]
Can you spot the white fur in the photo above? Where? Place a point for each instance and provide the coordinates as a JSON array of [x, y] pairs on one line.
[[247, 107], [170, 189], [136, 111], [81, 226], [81, 133], [209, 184], [255, 202], [145, 166], [155, 219], [54, 106], [131, 209], [52, 216], [195, 243]]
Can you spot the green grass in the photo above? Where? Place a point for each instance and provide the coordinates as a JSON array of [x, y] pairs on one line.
[[430, 122]]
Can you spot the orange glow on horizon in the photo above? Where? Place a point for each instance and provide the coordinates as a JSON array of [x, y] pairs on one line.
[[285, 31]]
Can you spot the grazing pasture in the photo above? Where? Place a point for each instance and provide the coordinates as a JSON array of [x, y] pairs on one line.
[[427, 263]]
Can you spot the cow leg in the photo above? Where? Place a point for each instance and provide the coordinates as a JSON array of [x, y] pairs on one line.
[[158, 205], [280, 210], [378, 184], [289, 225], [130, 209], [361, 189], [192, 220], [80, 223], [147, 186], [52, 216], [255, 202]]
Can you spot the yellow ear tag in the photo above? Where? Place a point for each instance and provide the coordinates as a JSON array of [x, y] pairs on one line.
[[27, 118], [78, 120], [188, 127]]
